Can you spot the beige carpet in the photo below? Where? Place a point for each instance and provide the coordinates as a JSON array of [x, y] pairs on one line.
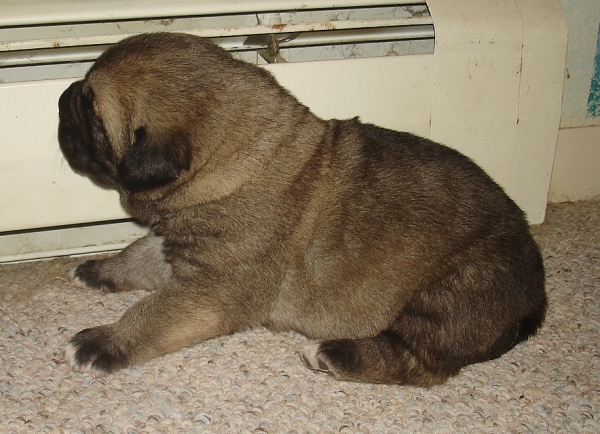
[[254, 381]]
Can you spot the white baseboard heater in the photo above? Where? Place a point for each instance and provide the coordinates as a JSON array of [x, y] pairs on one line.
[[482, 76]]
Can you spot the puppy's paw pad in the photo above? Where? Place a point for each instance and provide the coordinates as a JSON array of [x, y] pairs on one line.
[[95, 350], [314, 359], [88, 276]]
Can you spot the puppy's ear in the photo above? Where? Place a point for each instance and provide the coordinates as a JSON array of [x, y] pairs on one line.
[[152, 162]]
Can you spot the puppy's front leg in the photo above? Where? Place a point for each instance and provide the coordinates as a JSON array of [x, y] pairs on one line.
[[165, 321], [141, 265]]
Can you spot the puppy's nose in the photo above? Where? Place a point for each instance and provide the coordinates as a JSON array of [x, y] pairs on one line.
[[65, 100]]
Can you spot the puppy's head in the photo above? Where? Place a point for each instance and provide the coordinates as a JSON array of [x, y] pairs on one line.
[[165, 111], [130, 123], [129, 158], [135, 163]]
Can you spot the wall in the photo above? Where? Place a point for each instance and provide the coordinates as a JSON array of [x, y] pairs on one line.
[[576, 173]]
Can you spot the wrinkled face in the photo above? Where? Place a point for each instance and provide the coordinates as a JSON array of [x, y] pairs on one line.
[[82, 136], [150, 105], [129, 124], [96, 137]]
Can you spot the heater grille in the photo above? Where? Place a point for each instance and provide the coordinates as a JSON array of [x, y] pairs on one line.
[[37, 51]]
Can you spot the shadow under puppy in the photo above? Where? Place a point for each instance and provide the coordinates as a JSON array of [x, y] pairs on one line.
[[401, 255]]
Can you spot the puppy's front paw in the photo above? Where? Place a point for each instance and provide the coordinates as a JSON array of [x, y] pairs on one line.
[[88, 276], [96, 350]]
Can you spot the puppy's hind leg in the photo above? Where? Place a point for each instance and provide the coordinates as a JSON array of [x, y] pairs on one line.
[[141, 265], [440, 330]]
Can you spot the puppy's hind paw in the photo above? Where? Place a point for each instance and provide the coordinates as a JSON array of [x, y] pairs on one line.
[[313, 359], [338, 358]]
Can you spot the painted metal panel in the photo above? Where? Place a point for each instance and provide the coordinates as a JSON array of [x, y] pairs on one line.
[[393, 92], [540, 96], [498, 72], [42, 190], [476, 80]]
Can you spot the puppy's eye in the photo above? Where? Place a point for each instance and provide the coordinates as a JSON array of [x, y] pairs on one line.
[[140, 134]]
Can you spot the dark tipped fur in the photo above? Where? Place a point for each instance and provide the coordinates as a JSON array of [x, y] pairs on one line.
[[399, 254], [153, 162], [90, 273], [96, 348]]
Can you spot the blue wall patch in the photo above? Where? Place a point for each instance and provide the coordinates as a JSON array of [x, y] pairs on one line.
[[593, 107]]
